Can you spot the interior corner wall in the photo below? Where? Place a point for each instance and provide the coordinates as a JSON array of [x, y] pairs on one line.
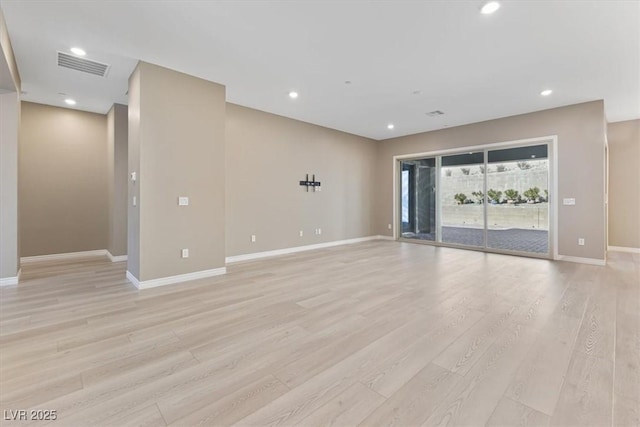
[[117, 167], [624, 184], [177, 134], [63, 195], [580, 130], [267, 157], [9, 220]]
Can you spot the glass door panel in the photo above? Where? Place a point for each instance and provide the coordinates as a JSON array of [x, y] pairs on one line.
[[418, 201], [462, 199], [517, 194]]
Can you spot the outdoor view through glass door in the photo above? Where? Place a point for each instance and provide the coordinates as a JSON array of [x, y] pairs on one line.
[[495, 199], [418, 199]]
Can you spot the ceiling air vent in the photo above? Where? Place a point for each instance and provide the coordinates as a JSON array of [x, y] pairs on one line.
[[83, 65], [435, 113]]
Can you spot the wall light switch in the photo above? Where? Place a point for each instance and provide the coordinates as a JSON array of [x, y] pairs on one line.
[[569, 202], [183, 201], [389, 226], [581, 242], [135, 201], [133, 177], [319, 231], [185, 253], [253, 238], [301, 233]]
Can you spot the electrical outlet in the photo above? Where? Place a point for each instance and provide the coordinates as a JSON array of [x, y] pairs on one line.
[[253, 238], [183, 201], [185, 253], [389, 226], [319, 231], [301, 233], [580, 241]]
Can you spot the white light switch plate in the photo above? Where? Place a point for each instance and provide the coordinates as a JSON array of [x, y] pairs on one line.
[[569, 202], [183, 201], [185, 253]]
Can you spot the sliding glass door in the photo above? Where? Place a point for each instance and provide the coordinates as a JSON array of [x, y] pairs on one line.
[[494, 199], [462, 199], [418, 199], [518, 191]]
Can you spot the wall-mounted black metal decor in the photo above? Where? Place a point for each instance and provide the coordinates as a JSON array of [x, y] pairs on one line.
[[310, 183]]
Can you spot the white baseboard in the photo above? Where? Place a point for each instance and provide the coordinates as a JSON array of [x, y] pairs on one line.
[[162, 281], [287, 251], [381, 237], [68, 255], [624, 249], [10, 281], [580, 260], [116, 258]]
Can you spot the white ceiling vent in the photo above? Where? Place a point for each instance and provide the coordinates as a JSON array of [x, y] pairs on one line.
[[81, 64], [435, 113]]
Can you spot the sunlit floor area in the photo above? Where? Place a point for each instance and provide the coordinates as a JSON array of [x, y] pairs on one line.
[[375, 333]]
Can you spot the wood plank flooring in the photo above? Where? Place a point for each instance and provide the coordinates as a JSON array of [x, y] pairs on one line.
[[373, 334]]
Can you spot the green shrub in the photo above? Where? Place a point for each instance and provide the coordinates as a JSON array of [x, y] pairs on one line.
[[465, 171], [479, 196], [501, 168], [511, 195], [460, 198], [524, 165], [494, 195], [532, 194]]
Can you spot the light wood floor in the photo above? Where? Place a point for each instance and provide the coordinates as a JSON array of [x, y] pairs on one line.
[[379, 333]]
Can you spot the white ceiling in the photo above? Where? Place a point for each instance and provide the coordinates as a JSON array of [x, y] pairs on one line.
[[473, 67]]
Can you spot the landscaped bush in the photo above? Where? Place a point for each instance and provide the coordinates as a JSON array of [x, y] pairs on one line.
[[479, 196], [532, 195], [494, 195], [481, 169], [501, 168], [447, 172], [512, 195], [465, 171], [524, 165], [460, 198]]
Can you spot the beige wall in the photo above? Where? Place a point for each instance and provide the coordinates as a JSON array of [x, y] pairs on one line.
[[117, 167], [267, 156], [133, 160], [581, 134], [179, 124], [624, 184], [62, 180]]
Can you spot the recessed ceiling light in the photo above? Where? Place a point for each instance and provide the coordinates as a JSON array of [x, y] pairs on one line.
[[70, 101], [490, 7], [347, 82], [293, 95], [416, 92], [546, 92], [78, 51], [390, 126]]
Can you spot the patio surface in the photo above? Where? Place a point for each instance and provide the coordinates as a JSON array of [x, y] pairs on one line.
[[512, 239]]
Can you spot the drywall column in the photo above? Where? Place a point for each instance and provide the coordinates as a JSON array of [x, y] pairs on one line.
[[624, 185], [9, 135], [176, 149], [9, 246], [117, 171]]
